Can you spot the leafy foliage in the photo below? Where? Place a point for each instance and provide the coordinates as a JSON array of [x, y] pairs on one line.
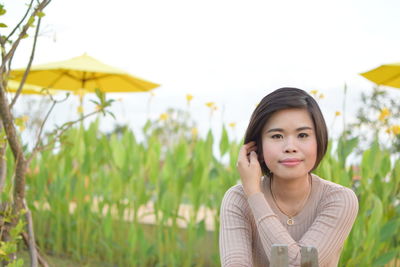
[[94, 188]]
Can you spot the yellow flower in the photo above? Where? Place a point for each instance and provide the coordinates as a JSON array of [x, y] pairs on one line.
[[21, 123], [80, 109], [395, 129], [189, 98], [25, 118], [194, 132], [163, 116], [321, 96], [232, 124], [314, 92], [98, 107], [384, 113], [22, 128], [337, 113], [210, 104]]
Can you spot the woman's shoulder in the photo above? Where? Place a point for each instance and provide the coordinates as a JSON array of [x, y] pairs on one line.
[[235, 197], [236, 191], [331, 191]]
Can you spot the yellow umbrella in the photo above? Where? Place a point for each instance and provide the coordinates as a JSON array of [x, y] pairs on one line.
[[83, 72], [388, 74], [12, 86]]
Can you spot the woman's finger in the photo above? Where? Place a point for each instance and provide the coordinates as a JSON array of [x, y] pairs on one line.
[[242, 154], [254, 148], [245, 151], [249, 144], [253, 158]]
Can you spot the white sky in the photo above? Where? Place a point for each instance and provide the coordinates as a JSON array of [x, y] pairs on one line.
[[229, 52]]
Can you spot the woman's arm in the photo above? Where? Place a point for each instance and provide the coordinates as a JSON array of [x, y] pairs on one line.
[[327, 233], [235, 240]]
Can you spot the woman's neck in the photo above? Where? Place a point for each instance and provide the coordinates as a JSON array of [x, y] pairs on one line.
[[291, 190]]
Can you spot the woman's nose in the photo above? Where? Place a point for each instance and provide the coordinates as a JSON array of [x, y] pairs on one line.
[[290, 146]]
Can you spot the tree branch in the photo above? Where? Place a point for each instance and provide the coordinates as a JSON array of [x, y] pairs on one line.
[[58, 133], [3, 166], [15, 44], [28, 68], [19, 24], [40, 131], [31, 240], [41, 259]]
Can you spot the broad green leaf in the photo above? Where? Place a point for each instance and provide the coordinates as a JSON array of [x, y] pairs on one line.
[[147, 126], [2, 25], [182, 159], [385, 258], [224, 143], [201, 229], [385, 164], [389, 229], [118, 151], [209, 143], [345, 147]]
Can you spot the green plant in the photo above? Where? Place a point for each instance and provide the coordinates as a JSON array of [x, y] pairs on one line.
[[89, 196]]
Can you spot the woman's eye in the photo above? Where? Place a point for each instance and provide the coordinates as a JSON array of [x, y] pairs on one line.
[[303, 135], [276, 136]]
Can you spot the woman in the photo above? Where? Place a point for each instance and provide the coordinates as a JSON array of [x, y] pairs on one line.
[[280, 201]]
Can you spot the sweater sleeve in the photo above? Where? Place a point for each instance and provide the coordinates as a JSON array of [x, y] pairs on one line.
[[336, 215], [235, 239]]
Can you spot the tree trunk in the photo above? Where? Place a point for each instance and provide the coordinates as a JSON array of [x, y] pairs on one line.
[[20, 162]]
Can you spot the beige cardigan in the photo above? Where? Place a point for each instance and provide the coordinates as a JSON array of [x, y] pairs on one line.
[[250, 226]]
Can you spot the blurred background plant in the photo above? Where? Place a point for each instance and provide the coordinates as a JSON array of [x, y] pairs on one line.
[[106, 199], [103, 196], [172, 126], [377, 118]]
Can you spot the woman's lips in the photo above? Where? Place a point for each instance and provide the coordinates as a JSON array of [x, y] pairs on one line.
[[290, 162]]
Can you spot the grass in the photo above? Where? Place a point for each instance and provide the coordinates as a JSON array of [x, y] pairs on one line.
[[59, 261]]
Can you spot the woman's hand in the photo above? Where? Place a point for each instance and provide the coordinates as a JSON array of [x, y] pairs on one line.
[[249, 169]]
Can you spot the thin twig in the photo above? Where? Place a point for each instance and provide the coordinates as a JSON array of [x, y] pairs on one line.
[[3, 166], [15, 44], [3, 48], [59, 132], [45, 120], [41, 259], [31, 240], [8, 69], [19, 24], [28, 68], [41, 128]]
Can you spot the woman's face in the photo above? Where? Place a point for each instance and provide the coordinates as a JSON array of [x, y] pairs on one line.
[[289, 143]]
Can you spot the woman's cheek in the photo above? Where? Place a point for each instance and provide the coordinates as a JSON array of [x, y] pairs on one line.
[[268, 156]]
